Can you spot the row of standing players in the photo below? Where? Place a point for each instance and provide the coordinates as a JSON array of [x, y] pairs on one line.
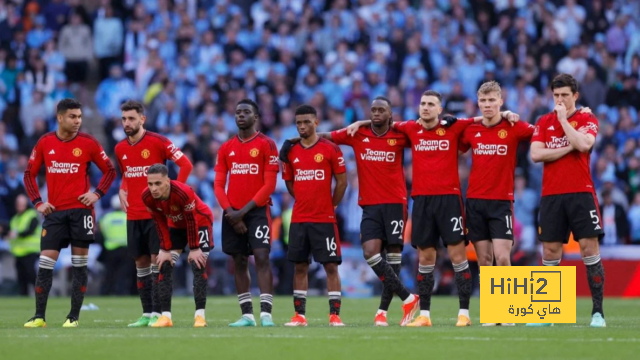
[[164, 216]]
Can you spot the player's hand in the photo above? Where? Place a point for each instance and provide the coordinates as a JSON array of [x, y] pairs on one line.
[[88, 199], [240, 228], [586, 110], [284, 151], [197, 256], [511, 117], [46, 208], [561, 111], [123, 200], [353, 128], [448, 120], [162, 257], [233, 216]]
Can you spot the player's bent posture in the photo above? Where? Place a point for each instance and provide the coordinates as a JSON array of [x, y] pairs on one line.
[[489, 209], [191, 221], [250, 159], [312, 163], [69, 218], [135, 155], [563, 140], [379, 153]]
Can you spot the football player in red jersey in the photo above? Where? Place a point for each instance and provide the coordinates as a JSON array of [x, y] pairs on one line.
[[437, 207], [563, 140], [135, 154], [311, 165], [250, 159], [379, 152], [69, 217], [181, 219]]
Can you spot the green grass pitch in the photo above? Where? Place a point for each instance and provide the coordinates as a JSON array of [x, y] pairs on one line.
[[103, 333]]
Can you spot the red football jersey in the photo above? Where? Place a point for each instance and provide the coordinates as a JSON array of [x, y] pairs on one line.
[[435, 156], [246, 162], [571, 173], [493, 157], [379, 162], [134, 159], [311, 170], [67, 169], [185, 210]]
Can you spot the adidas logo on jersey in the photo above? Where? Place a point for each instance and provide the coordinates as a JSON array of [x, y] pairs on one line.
[[598, 227], [508, 232], [90, 232], [333, 253], [551, 128], [52, 152], [478, 135], [232, 153], [124, 157], [296, 161], [265, 241], [365, 140], [420, 132]]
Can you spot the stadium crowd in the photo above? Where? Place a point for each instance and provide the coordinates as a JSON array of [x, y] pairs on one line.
[[191, 61]]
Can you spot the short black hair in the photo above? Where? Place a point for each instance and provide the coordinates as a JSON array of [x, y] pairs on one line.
[[68, 104], [306, 110], [565, 80], [132, 105], [256, 108], [383, 99], [158, 169], [433, 93]]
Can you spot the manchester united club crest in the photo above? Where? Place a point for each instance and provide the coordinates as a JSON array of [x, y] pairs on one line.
[[441, 132], [391, 142], [502, 134], [145, 153], [318, 158], [77, 152], [174, 208], [573, 124], [254, 152]]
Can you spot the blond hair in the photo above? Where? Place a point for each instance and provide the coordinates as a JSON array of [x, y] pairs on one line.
[[490, 86]]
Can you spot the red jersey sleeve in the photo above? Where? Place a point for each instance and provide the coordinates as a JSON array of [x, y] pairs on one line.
[[525, 130], [162, 226], [123, 182], [31, 173], [100, 158], [220, 182], [590, 122], [271, 160], [187, 199], [174, 154], [287, 172], [539, 131], [337, 162], [403, 127], [341, 137], [464, 144], [461, 125], [271, 169]]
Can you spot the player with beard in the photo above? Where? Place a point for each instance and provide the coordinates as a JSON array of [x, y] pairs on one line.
[[135, 154], [437, 207], [250, 160], [379, 154]]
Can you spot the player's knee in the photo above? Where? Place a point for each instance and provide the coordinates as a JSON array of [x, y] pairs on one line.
[[485, 258], [241, 261], [503, 260], [368, 253], [589, 247], [262, 260], [552, 253], [143, 261], [301, 269], [427, 256], [331, 269]]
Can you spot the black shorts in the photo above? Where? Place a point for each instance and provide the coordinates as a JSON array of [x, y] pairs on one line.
[[384, 222], [489, 219], [435, 217], [142, 238], [258, 236], [563, 214], [179, 240], [64, 227], [320, 239]]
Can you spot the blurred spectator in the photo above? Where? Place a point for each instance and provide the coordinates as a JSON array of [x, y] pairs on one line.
[[614, 220], [118, 264], [108, 39], [76, 45], [24, 237]]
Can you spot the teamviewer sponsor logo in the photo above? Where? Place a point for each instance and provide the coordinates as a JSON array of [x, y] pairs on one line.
[[244, 169], [273, 160], [376, 155], [490, 149], [175, 218], [432, 145], [557, 142], [63, 168], [308, 175], [136, 171]]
